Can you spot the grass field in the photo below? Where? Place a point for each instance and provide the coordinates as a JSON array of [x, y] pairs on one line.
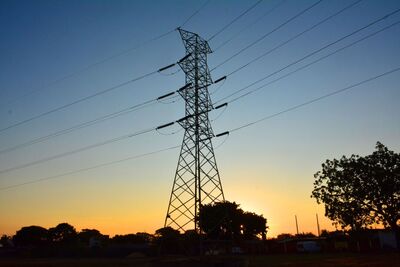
[[292, 260]]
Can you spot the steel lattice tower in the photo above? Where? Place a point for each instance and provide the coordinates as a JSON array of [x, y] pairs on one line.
[[197, 181]]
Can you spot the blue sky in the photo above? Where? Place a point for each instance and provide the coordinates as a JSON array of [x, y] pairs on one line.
[[268, 167]]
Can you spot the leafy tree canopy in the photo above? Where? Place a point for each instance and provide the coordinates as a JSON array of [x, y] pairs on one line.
[[5, 241], [138, 238], [31, 236], [226, 220], [360, 191], [167, 233], [86, 234], [63, 233]]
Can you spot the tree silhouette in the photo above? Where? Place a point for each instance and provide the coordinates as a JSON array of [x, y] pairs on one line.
[[138, 238], [359, 191], [254, 225], [63, 233], [31, 236], [227, 221], [383, 185], [86, 234], [167, 232], [168, 239], [221, 220], [5, 241]]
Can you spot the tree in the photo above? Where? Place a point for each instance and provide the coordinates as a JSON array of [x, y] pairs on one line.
[[359, 191], [145, 237], [63, 233], [284, 236], [226, 220], [221, 220], [383, 187], [138, 238], [167, 233], [191, 242], [168, 240], [254, 225], [5, 241], [31, 236], [86, 234], [305, 235]]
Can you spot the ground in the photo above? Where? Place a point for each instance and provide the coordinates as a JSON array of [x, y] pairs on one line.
[[292, 260]]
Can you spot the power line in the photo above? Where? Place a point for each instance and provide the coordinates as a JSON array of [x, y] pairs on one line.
[[75, 73], [89, 168], [234, 20], [313, 53], [109, 116], [107, 90], [68, 153], [90, 122], [130, 109], [316, 99], [116, 139], [232, 130], [331, 53], [254, 122], [77, 101], [265, 35], [269, 11], [105, 117], [295, 37], [312, 63], [80, 126], [101, 61], [195, 13], [85, 98]]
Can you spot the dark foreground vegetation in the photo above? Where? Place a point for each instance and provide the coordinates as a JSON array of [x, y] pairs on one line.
[[278, 260], [63, 246], [224, 226]]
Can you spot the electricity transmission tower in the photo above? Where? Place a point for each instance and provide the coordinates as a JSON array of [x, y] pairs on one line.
[[197, 181]]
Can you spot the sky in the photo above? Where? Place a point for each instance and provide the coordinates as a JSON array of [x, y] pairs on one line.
[[55, 52]]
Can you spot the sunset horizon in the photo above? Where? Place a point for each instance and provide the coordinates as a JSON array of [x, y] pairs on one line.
[[132, 116]]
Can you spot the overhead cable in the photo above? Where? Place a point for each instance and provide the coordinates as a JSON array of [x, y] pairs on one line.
[[88, 168], [269, 11], [83, 69], [316, 99], [234, 20], [218, 135], [80, 126], [295, 37], [68, 153], [311, 63], [99, 119], [313, 53], [220, 100], [195, 13], [80, 100], [102, 143], [105, 59], [265, 35]]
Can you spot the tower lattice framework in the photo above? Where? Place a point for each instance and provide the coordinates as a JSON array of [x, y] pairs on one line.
[[197, 180]]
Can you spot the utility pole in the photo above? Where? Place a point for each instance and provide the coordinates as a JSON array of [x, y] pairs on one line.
[[197, 181], [297, 225], [318, 229]]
